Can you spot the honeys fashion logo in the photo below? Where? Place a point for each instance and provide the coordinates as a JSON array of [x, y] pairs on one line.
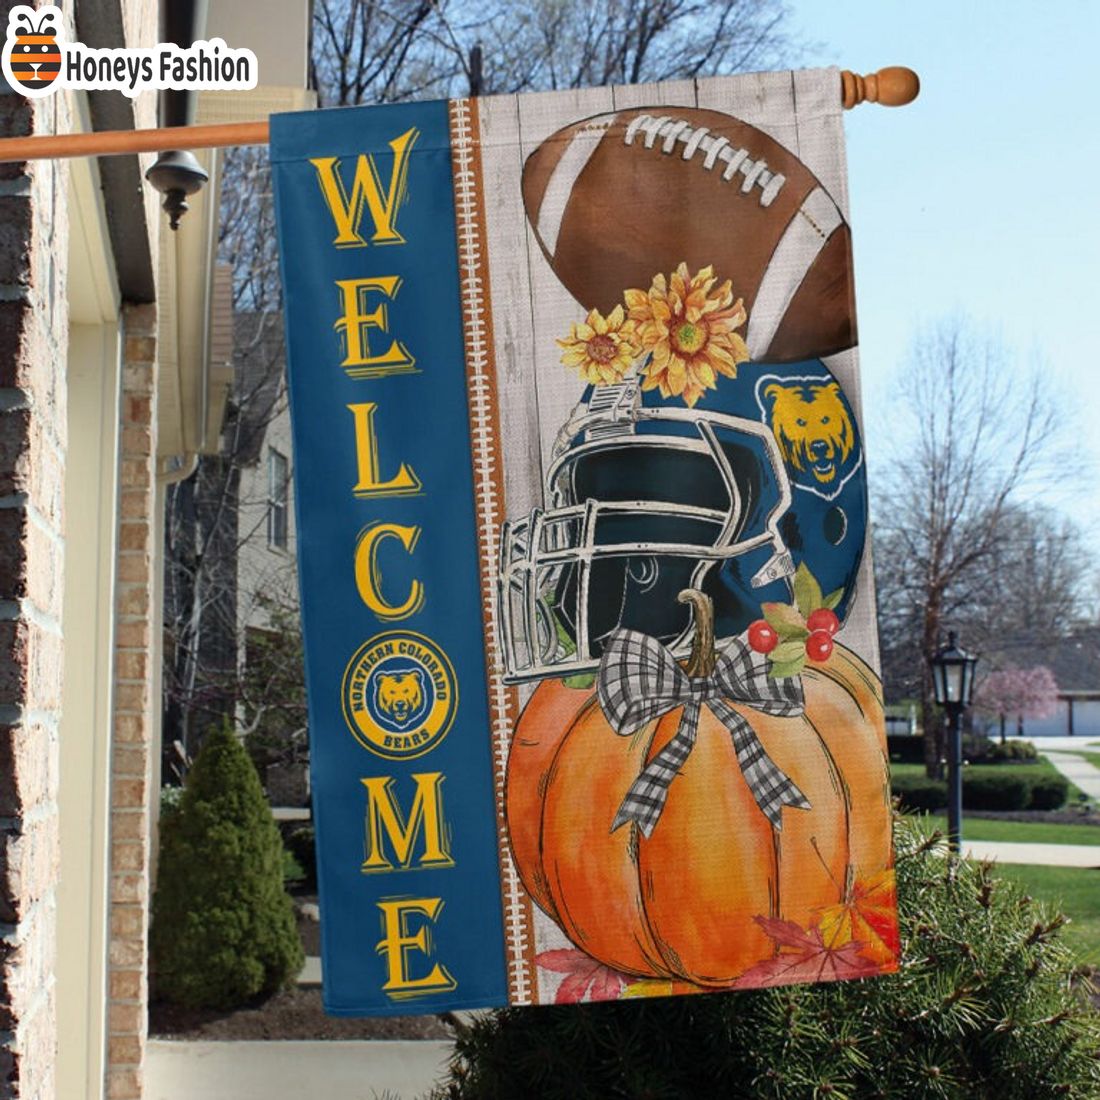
[[36, 61]]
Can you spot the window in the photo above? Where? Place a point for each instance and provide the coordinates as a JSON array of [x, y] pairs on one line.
[[277, 488]]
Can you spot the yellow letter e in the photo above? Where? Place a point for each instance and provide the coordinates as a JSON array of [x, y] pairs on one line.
[[357, 318], [399, 942]]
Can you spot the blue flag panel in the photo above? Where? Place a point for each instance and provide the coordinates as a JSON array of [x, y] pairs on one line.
[[391, 597]]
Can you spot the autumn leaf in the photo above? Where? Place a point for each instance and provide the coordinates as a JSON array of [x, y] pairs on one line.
[[782, 670], [585, 978], [788, 651], [868, 915], [786, 620], [807, 592], [649, 987], [804, 957]]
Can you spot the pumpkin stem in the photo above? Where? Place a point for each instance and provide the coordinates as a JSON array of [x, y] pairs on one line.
[[703, 658]]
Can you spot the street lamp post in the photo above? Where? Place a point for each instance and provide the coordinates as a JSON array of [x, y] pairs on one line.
[[953, 679]]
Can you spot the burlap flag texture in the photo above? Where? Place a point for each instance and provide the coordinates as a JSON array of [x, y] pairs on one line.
[[582, 509]]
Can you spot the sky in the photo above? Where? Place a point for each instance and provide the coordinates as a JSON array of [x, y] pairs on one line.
[[982, 197]]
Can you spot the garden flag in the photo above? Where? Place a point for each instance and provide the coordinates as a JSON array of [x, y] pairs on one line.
[[582, 515]]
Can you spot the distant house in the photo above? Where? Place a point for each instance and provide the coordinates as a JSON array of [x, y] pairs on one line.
[[1075, 662], [271, 700], [231, 575], [267, 554]]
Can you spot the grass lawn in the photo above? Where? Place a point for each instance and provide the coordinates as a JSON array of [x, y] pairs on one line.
[[1030, 771], [1092, 757], [1075, 892], [1023, 832]]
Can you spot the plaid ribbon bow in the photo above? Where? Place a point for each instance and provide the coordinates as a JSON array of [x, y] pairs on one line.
[[639, 680]]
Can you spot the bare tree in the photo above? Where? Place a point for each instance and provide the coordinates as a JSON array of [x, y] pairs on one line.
[[209, 518], [1037, 582], [977, 433], [366, 51]]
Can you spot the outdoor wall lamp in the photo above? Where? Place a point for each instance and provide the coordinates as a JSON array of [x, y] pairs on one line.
[[953, 681], [176, 175]]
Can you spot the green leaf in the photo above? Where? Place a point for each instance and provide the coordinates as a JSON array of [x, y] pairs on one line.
[[785, 619], [788, 651], [780, 670], [567, 645], [833, 598], [582, 680], [807, 592]]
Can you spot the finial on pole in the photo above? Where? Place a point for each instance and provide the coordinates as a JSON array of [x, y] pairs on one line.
[[894, 86]]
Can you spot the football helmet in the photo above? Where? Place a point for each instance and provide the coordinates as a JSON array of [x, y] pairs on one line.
[[644, 498]]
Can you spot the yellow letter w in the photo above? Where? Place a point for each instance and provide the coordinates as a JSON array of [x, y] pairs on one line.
[[385, 819], [366, 190]]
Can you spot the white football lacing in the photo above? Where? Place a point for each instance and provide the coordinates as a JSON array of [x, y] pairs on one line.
[[715, 148]]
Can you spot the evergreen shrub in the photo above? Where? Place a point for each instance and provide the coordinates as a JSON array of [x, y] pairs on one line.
[[1049, 792], [977, 748], [1014, 751], [988, 1005], [301, 843], [904, 749], [919, 793], [1007, 791], [223, 927]]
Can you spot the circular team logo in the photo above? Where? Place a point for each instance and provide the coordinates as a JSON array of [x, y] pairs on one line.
[[399, 694]]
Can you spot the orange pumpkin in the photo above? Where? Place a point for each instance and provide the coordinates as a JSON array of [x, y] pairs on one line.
[[680, 903]]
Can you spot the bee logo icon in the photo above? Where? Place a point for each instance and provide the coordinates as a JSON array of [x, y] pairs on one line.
[[31, 58]]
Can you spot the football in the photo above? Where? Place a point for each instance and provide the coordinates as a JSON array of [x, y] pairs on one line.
[[618, 198]]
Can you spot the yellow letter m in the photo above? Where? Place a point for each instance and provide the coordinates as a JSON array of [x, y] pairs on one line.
[[385, 822], [367, 193]]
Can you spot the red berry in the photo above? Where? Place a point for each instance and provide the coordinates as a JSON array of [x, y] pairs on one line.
[[762, 636], [819, 645], [823, 619]]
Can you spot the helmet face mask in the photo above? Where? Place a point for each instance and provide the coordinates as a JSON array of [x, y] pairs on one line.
[[645, 500]]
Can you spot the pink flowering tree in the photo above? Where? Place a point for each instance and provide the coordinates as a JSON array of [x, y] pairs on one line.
[[1020, 693]]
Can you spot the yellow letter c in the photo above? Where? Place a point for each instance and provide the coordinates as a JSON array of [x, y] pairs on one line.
[[368, 573]]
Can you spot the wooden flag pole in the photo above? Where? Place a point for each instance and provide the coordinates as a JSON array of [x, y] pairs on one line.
[[891, 87]]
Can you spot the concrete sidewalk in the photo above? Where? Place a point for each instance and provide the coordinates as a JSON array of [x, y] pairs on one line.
[[1041, 855], [1075, 768], [292, 1070]]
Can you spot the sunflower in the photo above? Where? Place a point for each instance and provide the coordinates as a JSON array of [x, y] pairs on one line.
[[687, 324], [601, 348]]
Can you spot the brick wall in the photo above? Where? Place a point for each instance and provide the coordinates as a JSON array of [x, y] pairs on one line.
[[33, 333], [132, 749]]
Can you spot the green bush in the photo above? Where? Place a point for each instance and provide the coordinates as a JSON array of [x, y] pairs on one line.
[[904, 749], [976, 748], [301, 844], [223, 926], [1049, 792], [293, 872], [984, 1006], [1003, 790], [919, 793], [170, 799], [1012, 751]]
